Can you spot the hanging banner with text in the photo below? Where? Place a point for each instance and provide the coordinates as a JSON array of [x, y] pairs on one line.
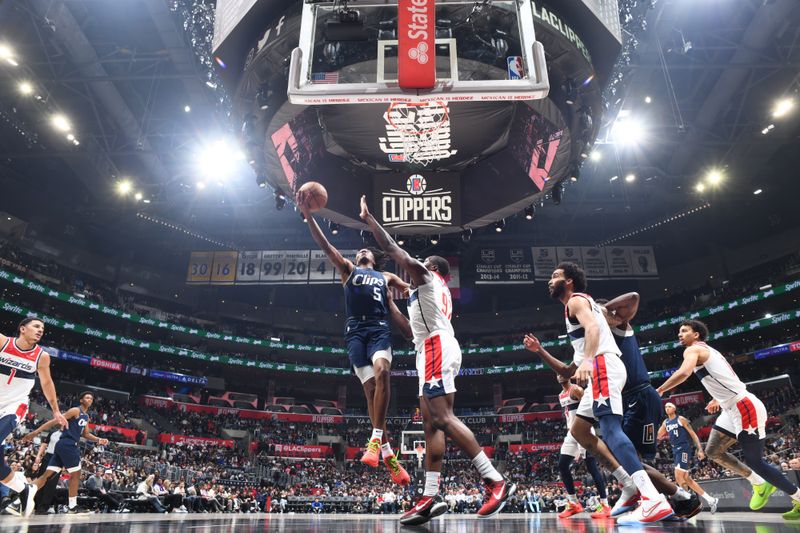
[[610, 262]]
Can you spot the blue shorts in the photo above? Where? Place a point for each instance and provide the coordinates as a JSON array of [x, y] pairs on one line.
[[683, 457], [364, 338], [66, 455], [642, 416], [7, 425]]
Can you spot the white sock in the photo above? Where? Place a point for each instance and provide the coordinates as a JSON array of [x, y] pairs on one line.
[[484, 466], [708, 498], [604, 501], [796, 496], [755, 479], [682, 495], [16, 484], [622, 476], [73, 501], [645, 486], [376, 434], [572, 498], [386, 450], [431, 484]]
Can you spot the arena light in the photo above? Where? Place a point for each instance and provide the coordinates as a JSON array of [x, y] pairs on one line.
[[434, 240], [124, 187], [60, 122], [630, 178], [25, 88], [280, 199], [8, 55], [768, 129], [715, 176], [757, 191], [648, 100], [500, 225], [187, 109], [628, 131], [700, 187], [219, 159], [399, 239], [201, 185], [70, 137], [782, 107], [596, 155], [529, 212], [334, 227]]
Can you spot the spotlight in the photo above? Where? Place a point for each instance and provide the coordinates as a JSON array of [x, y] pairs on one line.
[[261, 180], [138, 196], [570, 91], [334, 227], [596, 155], [614, 178], [647, 100], [500, 225], [25, 88], [466, 235], [782, 107], [201, 185], [70, 137], [218, 160], [574, 172], [558, 193], [700, 187], [434, 240], [187, 109], [529, 212], [8, 54], [768, 129], [399, 239], [124, 187], [628, 131], [757, 192], [60, 122], [280, 199], [715, 176], [630, 178]]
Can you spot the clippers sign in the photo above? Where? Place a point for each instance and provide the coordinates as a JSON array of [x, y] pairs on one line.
[[418, 201], [416, 21]]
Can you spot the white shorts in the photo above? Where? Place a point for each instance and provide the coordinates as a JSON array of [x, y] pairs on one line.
[[603, 395], [366, 373], [438, 364], [724, 424], [571, 447], [747, 415], [17, 407]]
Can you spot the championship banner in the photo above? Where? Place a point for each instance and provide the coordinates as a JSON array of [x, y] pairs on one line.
[[128, 434], [170, 438], [611, 262], [504, 266], [300, 450]]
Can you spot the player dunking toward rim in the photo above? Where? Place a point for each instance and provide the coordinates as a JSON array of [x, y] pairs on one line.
[[438, 362], [368, 305]]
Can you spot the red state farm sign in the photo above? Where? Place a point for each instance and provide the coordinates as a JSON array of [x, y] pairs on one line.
[[416, 22]]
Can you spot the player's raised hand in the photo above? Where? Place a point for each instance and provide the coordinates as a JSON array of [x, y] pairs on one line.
[[532, 343], [364, 208], [103, 442], [300, 200]]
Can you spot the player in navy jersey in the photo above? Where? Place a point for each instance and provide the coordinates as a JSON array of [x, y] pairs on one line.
[[66, 454], [681, 437], [369, 308]]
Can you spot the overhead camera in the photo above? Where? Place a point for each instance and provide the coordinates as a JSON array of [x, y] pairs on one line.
[[348, 26]]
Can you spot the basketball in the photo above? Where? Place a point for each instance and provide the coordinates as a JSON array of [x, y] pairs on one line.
[[314, 195]]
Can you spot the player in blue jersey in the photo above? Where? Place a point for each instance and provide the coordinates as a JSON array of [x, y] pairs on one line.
[[66, 454], [681, 437], [369, 307]]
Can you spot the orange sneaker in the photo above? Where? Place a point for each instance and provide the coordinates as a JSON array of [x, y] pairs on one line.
[[602, 511], [372, 456], [399, 474], [572, 509]]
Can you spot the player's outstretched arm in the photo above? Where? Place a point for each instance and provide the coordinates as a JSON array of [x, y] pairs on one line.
[[345, 266], [532, 344], [690, 356], [690, 430], [93, 438], [71, 413], [662, 431], [622, 309], [419, 274], [398, 318], [49, 388]]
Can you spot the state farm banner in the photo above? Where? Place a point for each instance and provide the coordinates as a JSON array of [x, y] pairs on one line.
[[687, 398], [168, 403], [171, 438], [542, 447], [127, 433], [425, 200], [609, 262], [301, 450], [416, 51], [501, 265]]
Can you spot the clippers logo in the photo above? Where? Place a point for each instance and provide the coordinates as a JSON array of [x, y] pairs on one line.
[[419, 54], [417, 206]]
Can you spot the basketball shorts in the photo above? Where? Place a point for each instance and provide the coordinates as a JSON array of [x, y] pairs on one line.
[[365, 340], [438, 364], [724, 424], [683, 456], [603, 395], [642, 417], [748, 416], [66, 455], [571, 447], [17, 407]]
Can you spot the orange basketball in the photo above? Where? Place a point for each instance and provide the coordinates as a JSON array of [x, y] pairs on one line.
[[315, 197]]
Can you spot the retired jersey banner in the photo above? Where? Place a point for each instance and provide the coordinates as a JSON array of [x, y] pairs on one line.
[[610, 262], [504, 265]]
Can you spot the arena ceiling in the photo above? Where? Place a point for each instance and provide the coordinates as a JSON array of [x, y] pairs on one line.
[[123, 73]]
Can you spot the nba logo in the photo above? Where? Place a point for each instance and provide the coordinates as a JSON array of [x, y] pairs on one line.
[[515, 70]]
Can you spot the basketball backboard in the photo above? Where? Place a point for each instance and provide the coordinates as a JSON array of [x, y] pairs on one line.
[[366, 51]]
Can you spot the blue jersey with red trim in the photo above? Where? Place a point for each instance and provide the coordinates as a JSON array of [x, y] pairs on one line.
[[678, 436], [365, 294]]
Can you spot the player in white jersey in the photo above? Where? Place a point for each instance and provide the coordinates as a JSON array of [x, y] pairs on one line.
[[569, 398], [598, 365], [21, 358], [438, 363], [746, 412]]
